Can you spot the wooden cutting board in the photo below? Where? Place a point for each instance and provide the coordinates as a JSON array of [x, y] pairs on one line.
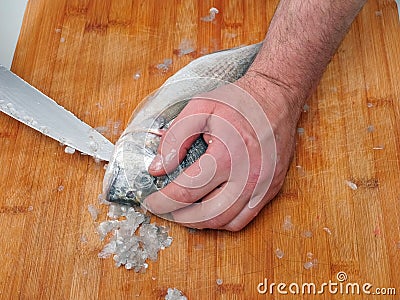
[[98, 58]]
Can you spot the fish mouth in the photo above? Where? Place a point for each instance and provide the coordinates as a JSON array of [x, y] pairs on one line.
[[111, 189]]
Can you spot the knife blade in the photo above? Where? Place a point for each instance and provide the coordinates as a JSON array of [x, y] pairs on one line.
[[23, 102]]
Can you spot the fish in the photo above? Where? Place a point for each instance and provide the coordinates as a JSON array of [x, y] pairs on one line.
[[126, 180]]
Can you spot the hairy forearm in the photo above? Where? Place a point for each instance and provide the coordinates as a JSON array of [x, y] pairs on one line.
[[302, 38]]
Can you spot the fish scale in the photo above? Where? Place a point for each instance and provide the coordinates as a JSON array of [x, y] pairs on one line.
[[127, 180]]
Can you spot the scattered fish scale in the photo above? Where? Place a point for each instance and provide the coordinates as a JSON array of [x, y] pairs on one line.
[[211, 16], [279, 253], [174, 294]]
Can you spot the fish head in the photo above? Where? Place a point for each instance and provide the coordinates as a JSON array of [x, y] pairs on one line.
[[126, 180]]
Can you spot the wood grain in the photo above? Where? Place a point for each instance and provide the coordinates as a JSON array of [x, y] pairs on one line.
[[85, 53]]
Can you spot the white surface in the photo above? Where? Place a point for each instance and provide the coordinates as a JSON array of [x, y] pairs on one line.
[[11, 15]]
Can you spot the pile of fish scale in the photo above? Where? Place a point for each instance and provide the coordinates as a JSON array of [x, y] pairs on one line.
[[132, 239]]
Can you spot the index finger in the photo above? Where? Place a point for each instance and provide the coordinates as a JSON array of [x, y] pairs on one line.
[[176, 141]]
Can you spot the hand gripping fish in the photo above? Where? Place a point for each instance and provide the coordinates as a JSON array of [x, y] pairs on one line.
[[127, 180]]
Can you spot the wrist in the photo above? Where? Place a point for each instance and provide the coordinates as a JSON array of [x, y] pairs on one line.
[[275, 96]]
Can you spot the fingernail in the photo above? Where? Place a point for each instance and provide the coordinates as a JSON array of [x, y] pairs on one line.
[[170, 156], [156, 164], [146, 205], [167, 216]]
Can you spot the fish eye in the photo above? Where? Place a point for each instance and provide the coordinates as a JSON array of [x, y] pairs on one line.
[[161, 121], [130, 195]]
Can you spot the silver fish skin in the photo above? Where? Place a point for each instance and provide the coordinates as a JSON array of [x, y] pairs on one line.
[[127, 180]]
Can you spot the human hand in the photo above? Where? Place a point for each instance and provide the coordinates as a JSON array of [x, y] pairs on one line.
[[246, 161]]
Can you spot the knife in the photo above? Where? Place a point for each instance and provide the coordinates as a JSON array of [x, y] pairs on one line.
[[23, 102]]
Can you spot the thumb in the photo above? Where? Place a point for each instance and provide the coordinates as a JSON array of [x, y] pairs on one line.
[[176, 141]]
